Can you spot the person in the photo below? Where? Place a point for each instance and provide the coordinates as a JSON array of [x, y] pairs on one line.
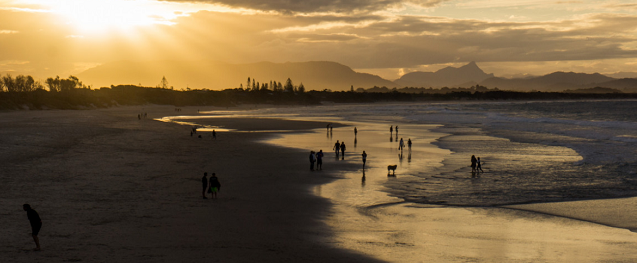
[[355, 131], [479, 165], [391, 129], [214, 135], [343, 150], [312, 160], [473, 163], [337, 147], [319, 160], [401, 144], [364, 158], [204, 183], [396, 129], [409, 143], [36, 224], [215, 186]]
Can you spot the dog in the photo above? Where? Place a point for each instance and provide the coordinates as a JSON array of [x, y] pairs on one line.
[[391, 168]]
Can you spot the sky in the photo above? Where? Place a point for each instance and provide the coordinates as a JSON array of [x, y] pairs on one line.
[[389, 38]]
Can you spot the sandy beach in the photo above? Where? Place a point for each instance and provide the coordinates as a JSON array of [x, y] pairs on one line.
[[112, 188]]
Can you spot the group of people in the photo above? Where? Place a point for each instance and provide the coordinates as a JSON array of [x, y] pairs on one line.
[[211, 185], [476, 164], [316, 158], [339, 146], [401, 144]]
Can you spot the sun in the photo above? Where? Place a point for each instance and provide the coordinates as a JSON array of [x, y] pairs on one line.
[[91, 16]]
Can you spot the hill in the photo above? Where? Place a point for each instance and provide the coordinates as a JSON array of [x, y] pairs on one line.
[[315, 75], [469, 74], [556, 81]]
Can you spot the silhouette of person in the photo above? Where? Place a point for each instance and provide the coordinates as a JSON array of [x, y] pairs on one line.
[[364, 158], [396, 129], [214, 134], [473, 163], [391, 129], [479, 165], [319, 160], [401, 144], [409, 143], [337, 147], [355, 131], [36, 224], [215, 186], [312, 160], [343, 150], [204, 184]]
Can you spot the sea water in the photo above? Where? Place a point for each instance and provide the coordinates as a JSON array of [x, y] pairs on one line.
[[434, 208], [530, 151]]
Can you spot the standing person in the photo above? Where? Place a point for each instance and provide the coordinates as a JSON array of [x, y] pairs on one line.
[[479, 167], [364, 159], [214, 135], [319, 160], [204, 183], [355, 131], [36, 224], [391, 129], [337, 147], [215, 186], [401, 144], [312, 160], [343, 150], [473, 163], [396, 129], [409, 143]]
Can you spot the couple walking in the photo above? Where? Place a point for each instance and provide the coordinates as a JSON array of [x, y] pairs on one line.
[[339, 146], [476, 164], [316, 158]]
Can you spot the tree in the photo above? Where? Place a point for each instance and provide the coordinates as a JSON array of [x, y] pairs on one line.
[[301, 88], [54, 84], [163, 83], [9, 83], [288, 86]]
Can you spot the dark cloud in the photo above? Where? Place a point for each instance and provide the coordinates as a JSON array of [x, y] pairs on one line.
[[314, 6]]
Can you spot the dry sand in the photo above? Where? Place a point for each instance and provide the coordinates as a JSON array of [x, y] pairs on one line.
[[112, 188]]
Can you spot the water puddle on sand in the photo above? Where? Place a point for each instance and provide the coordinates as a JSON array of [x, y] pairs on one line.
[[369, 220]]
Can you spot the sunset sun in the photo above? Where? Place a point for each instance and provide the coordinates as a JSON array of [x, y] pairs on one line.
[[99, 15]]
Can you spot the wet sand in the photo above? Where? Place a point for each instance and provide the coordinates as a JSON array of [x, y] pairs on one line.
[[112, 188], [370, 219]]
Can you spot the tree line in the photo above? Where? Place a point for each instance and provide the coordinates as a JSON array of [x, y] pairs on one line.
[[23, 92]]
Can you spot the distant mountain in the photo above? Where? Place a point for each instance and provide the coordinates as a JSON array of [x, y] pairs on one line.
[[557, 81], [315, 75], [449, 77], [622, 75]]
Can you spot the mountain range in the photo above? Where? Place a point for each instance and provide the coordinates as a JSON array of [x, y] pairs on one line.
[[320, 75]]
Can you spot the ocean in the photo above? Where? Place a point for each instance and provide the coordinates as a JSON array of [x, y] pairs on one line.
[[433, 208]]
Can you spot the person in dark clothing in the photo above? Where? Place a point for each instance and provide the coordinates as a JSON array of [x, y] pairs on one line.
[[204, 184], [215, 186], [319, 160], [36, 224], [312, 160], [343, 150]]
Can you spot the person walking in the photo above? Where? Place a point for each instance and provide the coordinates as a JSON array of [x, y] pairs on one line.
[[479, 165], [473, 163], [337, 147], [343, 150], [215, 186], [312, 160], [214, 135], [391, 130], [319, 160], [364, 159], [36, 224], [401, 144], [355, 131], [409, 143], [204, 183]]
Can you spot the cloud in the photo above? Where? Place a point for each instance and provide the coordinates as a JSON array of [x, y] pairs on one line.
[[314, 6]]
